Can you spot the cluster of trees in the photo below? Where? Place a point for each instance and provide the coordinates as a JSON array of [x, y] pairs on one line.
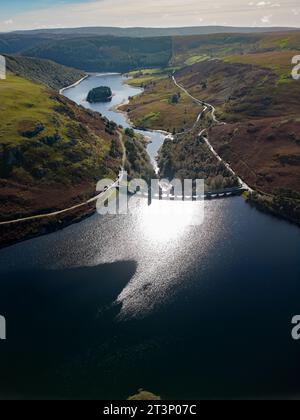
[[280, 205], [138, 164], [105, 53], [110, 127], [46, 72], [100, 94], [129, 132], [189, 157]]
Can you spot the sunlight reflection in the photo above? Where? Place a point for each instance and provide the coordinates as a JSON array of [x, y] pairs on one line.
[[165, 221]]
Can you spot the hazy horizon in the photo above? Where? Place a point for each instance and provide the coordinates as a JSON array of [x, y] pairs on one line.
[[151, 27]]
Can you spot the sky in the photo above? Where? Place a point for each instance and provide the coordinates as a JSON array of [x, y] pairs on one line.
[[33, 14]]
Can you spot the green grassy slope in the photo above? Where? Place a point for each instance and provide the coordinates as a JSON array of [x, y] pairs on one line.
[[52, 154], [155, 108], [48, 144]]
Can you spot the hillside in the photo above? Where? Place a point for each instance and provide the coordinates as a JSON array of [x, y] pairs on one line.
[[192, 49], [155, 107], [253, 93], [93, 54], [52, 153], [261, 107], [48, 146], [106, 53], [46, 72]]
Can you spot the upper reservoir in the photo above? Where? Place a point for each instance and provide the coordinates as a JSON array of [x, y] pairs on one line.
[[121, 93]]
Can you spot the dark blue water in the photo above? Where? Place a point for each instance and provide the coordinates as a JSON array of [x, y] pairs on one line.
[[117, 303]]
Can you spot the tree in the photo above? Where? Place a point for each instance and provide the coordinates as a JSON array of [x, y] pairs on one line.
[[100, 94], [175, 99], [130, 132]]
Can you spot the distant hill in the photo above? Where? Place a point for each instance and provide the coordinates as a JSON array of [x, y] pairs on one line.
[[188, 50], [95, 53], [151, 32]]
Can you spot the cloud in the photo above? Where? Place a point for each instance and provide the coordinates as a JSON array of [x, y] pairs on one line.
[[266, 19], [160, 13]]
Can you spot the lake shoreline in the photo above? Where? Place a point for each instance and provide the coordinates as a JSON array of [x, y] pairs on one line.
[[61, 91]]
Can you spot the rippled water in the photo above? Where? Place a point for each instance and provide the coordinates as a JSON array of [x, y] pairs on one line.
[[117, 303]]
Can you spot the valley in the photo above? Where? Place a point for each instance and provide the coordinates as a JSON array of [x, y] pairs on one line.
[[60, 152], [134, 300]]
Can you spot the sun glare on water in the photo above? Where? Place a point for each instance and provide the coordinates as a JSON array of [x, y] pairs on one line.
[[164, 221]]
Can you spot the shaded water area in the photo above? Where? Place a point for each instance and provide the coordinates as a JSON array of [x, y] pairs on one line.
[[117, 303]]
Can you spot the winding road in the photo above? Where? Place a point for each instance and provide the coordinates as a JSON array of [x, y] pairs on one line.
[[199, 102], [209, 145]]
